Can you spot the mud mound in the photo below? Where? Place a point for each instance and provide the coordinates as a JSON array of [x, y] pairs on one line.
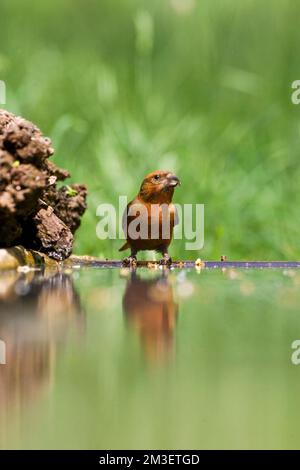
[[34, 212]]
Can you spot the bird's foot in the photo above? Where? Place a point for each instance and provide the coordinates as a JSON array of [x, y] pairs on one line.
[[130, 261], [166, 260]]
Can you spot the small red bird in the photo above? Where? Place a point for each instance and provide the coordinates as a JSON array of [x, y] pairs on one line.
[[149, 219]]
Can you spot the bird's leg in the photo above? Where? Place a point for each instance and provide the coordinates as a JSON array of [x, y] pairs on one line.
[[130, 260], [166, 260]]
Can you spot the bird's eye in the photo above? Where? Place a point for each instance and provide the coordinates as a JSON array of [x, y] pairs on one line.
[[156, 177]]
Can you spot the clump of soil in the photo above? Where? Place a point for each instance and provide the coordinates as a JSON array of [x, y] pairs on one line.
[[34, 212]]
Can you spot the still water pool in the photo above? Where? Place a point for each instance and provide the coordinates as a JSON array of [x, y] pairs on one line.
[[108, 358]]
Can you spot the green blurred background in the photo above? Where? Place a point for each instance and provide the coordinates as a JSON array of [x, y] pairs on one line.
[[199, 87]]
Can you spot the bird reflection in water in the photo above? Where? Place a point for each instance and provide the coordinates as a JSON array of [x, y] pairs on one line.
[[150, 310], [36, 312]]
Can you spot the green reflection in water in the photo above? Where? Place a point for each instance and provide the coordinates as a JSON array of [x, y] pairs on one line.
[[113, 359]]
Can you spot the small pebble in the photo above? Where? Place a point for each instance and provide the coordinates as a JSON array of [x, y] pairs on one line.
[[24, 269]]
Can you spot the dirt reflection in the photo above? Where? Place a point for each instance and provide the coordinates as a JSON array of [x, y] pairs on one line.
[[149, 308], [36, 312]]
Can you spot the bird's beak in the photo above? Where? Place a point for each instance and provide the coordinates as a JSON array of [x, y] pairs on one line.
[[172, 180]]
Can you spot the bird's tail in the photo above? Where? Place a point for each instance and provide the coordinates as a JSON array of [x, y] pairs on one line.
[[124, 247]]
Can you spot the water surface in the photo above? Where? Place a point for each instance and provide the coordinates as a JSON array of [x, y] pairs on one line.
[[108, 358]]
